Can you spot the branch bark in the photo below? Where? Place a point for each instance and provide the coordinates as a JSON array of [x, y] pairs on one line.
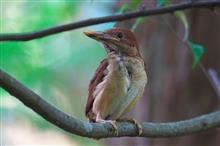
[[104, 130], [143, 13]]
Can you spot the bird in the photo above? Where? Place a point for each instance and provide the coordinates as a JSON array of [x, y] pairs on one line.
[[119, 80]]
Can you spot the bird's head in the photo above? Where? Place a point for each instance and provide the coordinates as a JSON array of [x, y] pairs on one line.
[[120, 41]]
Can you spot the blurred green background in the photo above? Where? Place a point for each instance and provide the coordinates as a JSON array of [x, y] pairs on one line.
[[57, 67]]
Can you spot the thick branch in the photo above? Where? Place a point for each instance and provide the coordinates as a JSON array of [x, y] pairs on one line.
[[120, 17], [103, 130]]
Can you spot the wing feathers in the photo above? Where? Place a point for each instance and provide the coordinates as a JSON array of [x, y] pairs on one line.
[[97, 78]]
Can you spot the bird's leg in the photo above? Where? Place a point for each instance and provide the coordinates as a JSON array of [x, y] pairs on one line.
[[112, 122], [138, 125], [135, 122]]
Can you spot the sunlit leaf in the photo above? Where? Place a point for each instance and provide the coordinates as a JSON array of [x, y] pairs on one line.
[[137, 22], [197, 50], [182, 16], [134, 4]]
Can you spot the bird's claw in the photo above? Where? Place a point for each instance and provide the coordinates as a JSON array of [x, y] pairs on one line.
[[136, 123], [113, 123]]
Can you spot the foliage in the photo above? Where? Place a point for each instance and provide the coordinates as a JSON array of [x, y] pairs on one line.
[[161, 3], [135, 3], [58, 67], [197, 50], [133, 7], [123, 8], [182, 16], [137, 22]]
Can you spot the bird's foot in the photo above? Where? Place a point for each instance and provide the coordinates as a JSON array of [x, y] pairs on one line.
[[112, 122], [135, 122]]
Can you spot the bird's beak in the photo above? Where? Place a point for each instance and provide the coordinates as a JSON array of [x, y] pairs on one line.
[[99, 36]]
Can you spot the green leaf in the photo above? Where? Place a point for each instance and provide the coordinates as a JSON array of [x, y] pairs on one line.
[[181, 15], [134, 4], [161, 3], [137, 22], [122, 9], [197, 50]]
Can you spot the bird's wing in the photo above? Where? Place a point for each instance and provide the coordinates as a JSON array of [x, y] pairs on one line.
[[130, 99], [97, 78]]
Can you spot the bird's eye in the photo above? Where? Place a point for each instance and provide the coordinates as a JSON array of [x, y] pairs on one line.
[[119, 35]]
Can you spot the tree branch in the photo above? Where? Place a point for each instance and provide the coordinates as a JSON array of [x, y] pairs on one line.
[[120, 17], [104, 130], [215, 81]]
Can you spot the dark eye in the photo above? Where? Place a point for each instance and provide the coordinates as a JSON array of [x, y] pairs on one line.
[[119, 35]]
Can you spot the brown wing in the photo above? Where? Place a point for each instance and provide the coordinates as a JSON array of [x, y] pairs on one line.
[[97, 78]]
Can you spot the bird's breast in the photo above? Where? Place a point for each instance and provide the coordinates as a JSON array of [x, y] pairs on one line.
[[136, 69], [120, 76]]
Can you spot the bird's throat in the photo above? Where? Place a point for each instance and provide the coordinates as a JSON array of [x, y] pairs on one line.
[[110, 47]]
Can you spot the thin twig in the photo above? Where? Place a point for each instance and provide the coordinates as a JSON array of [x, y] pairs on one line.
[[215, 79], [120, 17], [201, 66]]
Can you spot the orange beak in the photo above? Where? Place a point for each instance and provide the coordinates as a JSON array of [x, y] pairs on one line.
[[100, 36]]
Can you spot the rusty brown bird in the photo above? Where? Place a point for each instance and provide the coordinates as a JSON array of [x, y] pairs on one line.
[[119, 80]]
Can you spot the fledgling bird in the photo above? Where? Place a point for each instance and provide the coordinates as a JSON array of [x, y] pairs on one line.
[[119, 80]]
